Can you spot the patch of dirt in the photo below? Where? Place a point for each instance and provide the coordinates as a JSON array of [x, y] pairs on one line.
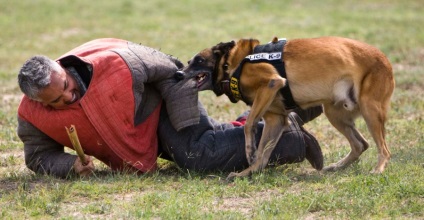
[[11, 98], [246, 205], [9, 102]]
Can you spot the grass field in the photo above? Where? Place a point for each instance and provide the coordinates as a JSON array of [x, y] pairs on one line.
[[182, 28]]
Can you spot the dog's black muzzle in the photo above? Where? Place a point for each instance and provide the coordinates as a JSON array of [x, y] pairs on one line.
[[179, 75]]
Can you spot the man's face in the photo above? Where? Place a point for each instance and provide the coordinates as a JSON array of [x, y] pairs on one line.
[[62, 91]]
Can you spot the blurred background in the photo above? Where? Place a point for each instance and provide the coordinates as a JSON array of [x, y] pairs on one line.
[[182, 28]]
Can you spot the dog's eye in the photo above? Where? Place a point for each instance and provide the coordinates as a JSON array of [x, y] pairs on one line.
[[200, 60]]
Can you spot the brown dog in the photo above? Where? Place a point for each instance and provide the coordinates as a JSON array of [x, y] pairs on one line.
[[347, 77]]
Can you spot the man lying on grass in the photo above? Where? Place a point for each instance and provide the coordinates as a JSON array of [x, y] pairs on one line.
[[129, 109]]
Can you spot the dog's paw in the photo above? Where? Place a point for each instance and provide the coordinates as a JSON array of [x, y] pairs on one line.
[[330, 168], [336, 166], [245, 173], [377, 170], [231, 176]]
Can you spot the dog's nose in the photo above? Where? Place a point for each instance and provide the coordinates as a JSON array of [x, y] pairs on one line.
[[179, 75]]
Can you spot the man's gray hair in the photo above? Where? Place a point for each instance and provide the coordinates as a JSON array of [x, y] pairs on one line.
[[35, 75]]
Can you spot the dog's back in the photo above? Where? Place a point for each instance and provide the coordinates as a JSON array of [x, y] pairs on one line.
[[334, 67]]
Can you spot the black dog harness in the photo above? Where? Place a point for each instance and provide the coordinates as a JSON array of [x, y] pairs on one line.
[[271, 53]]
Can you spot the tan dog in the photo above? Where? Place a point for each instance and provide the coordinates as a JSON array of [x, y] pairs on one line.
[[347, 77]]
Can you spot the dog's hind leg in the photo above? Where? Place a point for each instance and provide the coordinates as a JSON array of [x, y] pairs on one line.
[[374, 108], [375, 119], [343, 121]]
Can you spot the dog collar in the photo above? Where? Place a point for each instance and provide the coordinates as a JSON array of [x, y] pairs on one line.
[[231, 85], [231, 88]]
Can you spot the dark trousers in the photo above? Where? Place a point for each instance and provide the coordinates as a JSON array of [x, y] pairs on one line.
[[211, 145]]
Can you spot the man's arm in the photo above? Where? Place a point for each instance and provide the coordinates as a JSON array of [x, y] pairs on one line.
[[44, 155]]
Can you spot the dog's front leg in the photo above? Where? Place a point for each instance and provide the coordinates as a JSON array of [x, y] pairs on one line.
[[264, 105], [250, 129], [275, 123], [263, 100], [273, 129]]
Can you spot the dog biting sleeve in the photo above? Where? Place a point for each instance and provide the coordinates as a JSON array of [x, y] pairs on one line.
[[153, 73]]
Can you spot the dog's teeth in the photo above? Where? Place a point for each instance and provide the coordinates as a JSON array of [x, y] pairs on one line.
[[200, 78]]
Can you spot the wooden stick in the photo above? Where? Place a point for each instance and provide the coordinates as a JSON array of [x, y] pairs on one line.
[[73, 136]]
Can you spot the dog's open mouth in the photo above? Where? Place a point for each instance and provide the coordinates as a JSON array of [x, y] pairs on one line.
[[202, 79]]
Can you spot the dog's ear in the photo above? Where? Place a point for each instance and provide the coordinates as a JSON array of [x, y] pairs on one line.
[[275, 39], [254, 43], [222, 48]]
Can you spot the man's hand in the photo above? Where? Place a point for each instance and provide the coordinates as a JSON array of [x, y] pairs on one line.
[[84, 170]]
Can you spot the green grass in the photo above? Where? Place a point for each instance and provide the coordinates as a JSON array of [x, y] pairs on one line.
[[183, 28]]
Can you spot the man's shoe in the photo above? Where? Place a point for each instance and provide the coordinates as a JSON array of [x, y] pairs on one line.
[[313, 151]]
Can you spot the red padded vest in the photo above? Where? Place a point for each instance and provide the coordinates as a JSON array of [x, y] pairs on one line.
[[104, 116]]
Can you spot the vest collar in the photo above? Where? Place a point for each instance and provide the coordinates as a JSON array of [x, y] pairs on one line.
[[230, 86]]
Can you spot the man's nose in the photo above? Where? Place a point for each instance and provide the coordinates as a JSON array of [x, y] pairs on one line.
[[68, 96]]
